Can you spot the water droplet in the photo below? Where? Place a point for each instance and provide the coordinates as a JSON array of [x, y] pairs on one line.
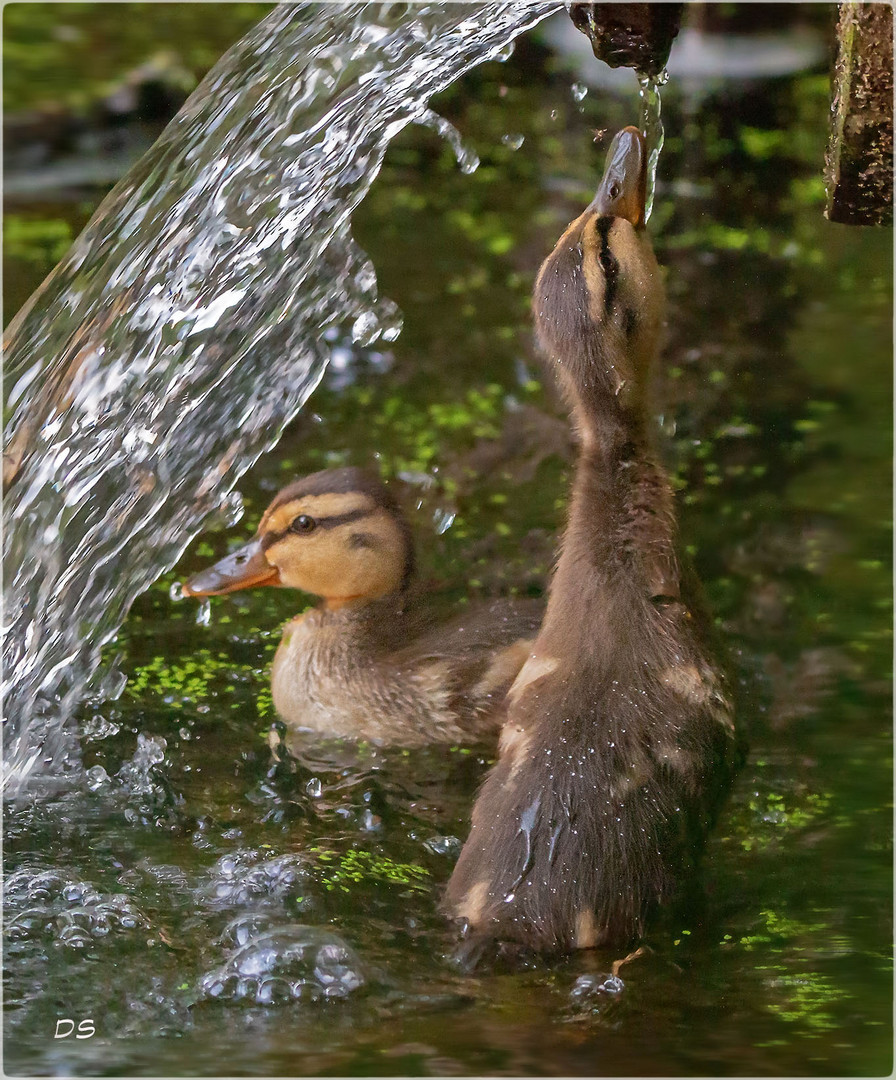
[[204, 612], [443, 845], [365, 329], [579, 91], [513, 141], [391, 322], [176, 592], [443, 520], [98, 727], [97, 777]]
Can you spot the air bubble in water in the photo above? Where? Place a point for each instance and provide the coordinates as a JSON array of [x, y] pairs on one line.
[[71, 911], [287, 963], [240, 878], [443, 845], [243, 928], [590, 990]]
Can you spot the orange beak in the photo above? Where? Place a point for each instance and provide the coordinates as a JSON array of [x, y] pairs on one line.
[[242, 569], [623, 189]]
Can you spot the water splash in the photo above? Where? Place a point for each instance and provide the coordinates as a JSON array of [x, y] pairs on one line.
[[651, 124], [467, 159], [186, 326], [204, 612]]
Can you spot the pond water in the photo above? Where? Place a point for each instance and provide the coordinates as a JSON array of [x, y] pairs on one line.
[[156, 896]]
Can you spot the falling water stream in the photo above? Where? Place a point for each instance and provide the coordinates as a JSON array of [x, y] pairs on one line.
[[186, 325], [651, 124]]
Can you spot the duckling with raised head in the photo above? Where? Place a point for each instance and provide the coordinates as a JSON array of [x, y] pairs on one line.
[[619, 735], [364, 664]]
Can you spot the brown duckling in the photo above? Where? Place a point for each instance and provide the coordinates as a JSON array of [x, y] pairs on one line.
[[364, 664], [619, 736]]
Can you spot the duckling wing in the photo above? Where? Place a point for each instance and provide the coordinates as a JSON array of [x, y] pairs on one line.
[[477, 655], [483, 629]]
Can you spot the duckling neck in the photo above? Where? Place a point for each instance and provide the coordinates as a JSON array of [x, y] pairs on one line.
[[371, 623], [618, 552]]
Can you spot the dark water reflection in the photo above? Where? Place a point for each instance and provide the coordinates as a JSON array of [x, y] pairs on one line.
[[774, 397]]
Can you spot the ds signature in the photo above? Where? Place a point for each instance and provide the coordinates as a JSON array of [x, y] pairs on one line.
[[64, 1028]]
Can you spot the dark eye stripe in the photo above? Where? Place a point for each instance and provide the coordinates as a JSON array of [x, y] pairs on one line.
[[608, 262], [321, 523], [343, 519]]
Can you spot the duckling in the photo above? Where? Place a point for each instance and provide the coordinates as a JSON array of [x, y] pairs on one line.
[[364, 664], [619, 734]]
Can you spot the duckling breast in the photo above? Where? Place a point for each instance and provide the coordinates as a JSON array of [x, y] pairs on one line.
[[327, 680]]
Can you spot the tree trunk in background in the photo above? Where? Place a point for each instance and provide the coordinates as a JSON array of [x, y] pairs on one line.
[[859, 165]]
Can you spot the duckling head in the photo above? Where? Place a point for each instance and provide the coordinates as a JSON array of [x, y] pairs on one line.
[[338, 534], [598, 299]]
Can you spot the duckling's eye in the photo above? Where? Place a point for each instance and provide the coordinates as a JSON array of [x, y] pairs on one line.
[[303, 524], [614, 191]]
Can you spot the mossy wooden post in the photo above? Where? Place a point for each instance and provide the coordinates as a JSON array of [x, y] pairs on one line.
[[859, 165], [630, 35]]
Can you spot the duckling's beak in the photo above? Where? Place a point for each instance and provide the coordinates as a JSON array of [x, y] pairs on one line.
[[242, 569], [623, 189]]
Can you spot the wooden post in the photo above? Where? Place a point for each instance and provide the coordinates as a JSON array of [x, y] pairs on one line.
[[859, 162], [630, 35]]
